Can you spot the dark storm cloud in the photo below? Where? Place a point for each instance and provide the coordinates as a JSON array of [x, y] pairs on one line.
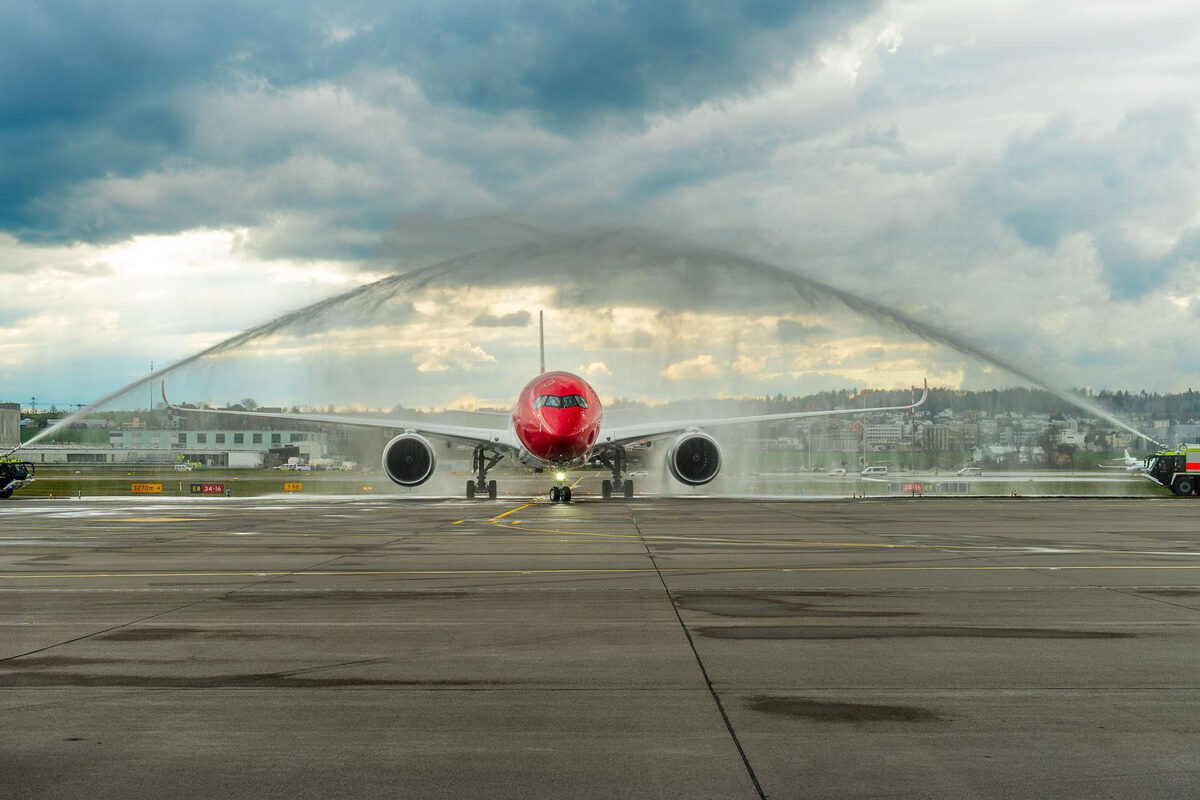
[[1058, 182], [568, 60], [517, 319], [95, 90], [89, 90]]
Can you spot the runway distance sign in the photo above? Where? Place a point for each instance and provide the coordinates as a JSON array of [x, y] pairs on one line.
[[293, 487], [145, 488], [208, 488]]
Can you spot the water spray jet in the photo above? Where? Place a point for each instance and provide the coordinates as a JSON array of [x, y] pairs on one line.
[[591, 268]]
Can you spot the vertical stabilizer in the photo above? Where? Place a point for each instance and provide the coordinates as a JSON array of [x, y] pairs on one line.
[[541, 342]]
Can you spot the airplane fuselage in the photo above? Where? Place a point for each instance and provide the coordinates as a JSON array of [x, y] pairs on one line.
[[557, 419]]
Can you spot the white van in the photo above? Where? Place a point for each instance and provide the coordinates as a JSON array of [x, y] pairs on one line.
[[874, 471], [967, 472]]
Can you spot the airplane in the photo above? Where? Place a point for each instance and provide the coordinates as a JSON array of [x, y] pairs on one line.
[[557, 423], [1128, 463]]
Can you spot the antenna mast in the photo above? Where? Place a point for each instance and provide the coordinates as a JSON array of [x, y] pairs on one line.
[[542, 341]]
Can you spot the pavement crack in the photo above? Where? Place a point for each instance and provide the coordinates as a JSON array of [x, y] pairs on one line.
[[1133, 592], [700, 662], [105, 630], [205, 599]]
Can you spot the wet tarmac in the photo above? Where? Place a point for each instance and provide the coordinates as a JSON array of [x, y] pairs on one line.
[[690, 648]]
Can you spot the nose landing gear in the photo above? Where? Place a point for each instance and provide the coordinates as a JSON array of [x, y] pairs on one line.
[[560, 492]]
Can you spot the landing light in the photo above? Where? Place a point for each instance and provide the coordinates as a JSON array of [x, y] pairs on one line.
[[562, 476]]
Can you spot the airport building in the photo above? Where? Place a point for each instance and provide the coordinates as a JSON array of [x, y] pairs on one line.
[[882, 434], [1183, 433], [218, 447], [10, 425], [248, 449], [843, 441]]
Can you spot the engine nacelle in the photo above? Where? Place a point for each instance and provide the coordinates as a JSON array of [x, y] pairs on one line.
[[409, 460], [694, 459]]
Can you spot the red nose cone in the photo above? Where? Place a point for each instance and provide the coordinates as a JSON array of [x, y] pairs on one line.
[[560, 432], [557, 417], [561, 421]]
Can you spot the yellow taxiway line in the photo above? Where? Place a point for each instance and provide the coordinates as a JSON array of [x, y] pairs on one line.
[[510, 511]]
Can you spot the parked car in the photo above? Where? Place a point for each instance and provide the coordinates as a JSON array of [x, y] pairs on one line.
[[874, 471], [969, 472], [837, 471]]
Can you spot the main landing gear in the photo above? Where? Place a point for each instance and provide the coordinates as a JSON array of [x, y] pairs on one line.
[[614, 459], [560, 494], [483, 460]]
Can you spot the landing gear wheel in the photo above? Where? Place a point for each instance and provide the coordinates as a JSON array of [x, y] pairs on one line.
[[606, 489], [627, 487], [7, 493], [554, 494], [1184, 487], [482, 461], [565, 494]]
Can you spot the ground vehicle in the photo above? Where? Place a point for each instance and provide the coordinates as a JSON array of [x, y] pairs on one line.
[[837, 471], [14, 475], [874, 472], [183, 467], [967, 472], [1178, 470]]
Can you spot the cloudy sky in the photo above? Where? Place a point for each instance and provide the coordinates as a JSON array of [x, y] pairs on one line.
[[1024, 174]]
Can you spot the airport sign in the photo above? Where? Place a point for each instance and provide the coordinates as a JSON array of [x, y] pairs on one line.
[[293, 487], [145, 488], [208, 488]]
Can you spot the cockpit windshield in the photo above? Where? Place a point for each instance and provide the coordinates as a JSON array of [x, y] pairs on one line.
[[560, 401]]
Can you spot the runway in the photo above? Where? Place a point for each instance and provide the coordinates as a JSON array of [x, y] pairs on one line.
[[686, 647]]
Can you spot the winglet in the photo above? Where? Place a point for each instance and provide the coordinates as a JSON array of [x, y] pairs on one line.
[[924, 396], [164, 394]]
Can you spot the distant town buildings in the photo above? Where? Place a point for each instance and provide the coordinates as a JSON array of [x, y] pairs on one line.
[[946, 439]]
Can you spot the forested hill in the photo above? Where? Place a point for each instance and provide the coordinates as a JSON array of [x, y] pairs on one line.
[[1179, 407]]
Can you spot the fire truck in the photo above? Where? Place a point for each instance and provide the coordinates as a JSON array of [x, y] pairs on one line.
[[1178, 470], [14, 475]]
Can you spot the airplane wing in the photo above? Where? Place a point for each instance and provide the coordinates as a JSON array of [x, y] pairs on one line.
[[498, 438], [641, 432]]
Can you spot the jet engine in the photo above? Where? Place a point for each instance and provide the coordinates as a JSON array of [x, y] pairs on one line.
[[409, 459], [694, 459]]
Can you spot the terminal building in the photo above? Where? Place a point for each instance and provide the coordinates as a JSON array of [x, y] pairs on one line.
[[214, 447], [218, 447], [10, 425]]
